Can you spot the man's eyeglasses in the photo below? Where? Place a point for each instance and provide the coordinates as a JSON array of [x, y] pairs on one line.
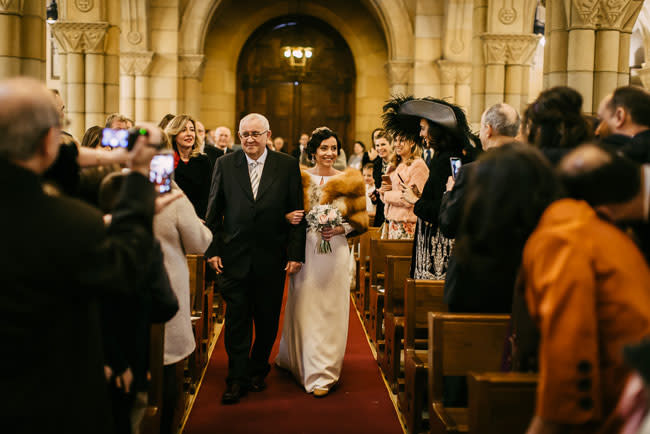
[[253, 134]]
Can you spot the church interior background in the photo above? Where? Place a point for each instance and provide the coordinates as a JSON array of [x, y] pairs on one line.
[[320, 62]]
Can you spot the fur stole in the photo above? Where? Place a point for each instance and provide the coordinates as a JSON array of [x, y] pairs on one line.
[[345, 191]]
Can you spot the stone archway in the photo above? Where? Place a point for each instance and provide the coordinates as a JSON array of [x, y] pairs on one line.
[[230, 28]]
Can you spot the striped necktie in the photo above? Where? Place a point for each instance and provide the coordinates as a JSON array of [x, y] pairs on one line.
[[254, 173]]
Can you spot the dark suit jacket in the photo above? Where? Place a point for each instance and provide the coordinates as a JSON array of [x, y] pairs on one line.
[[213, 153], [57, 258], [253, 234], [376, 175], [193, 178]]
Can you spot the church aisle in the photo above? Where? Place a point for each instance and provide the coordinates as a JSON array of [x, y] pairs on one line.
[[360, 402]]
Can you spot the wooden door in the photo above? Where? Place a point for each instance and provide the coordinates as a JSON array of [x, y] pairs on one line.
[[297, 100]]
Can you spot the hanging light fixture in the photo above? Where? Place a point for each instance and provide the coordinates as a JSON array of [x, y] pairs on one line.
[[295, 48], [297, 55]]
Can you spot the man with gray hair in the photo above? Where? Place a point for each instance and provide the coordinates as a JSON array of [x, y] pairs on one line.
[[253, 248], [57, 260], [499, 125]]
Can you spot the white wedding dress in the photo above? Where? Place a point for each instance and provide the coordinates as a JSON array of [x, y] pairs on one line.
[[316, 315]]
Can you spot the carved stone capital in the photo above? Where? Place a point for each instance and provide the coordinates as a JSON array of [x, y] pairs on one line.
[[511, 49], [192, 65], [399, 72], [11, 7], [614, 14], [75, 37], [136, 62], [454, 72]]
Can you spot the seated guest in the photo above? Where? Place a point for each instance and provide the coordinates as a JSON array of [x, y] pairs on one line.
[[192, 170], [181, 233], [586, 288], [126, 324], [50, 317], [409, 171], [554, 122], [625, 121]]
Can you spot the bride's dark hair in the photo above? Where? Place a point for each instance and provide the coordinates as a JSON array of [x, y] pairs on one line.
[[317, 137]]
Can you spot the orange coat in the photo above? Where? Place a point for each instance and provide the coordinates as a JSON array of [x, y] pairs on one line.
[[588, 290]]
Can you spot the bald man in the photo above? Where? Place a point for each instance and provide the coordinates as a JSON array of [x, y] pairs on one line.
[[586, 288], [57, 260]]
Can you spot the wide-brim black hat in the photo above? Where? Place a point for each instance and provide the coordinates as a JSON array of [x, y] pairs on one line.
[[402, 115]]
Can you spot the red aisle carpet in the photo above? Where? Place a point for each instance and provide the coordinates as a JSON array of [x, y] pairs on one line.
[[360, 403]]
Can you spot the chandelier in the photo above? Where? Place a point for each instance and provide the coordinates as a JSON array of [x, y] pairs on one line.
[[298, 55]]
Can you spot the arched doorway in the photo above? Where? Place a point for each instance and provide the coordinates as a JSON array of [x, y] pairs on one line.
[[298, 99]]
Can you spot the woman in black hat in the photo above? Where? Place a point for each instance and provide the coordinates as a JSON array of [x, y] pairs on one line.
[[443, 127]]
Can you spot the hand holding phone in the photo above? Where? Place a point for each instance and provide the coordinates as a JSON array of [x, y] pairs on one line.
[[161, 171], [455, 165]]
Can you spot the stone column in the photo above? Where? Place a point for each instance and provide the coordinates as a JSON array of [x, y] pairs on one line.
[[22, 38], [83, 45], [495, 54], [192, 67], [399, 77], [479, 23], [134, 84], [455, 82], [644, 75]]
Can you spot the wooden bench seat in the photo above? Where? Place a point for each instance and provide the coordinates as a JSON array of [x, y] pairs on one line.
[[501, 402], [420, 297], [363, 270], [458, 344]]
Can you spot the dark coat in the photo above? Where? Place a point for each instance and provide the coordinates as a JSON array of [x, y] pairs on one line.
[[376, 175], [193, 178], [251, 233], [213, 153], [57, 259]]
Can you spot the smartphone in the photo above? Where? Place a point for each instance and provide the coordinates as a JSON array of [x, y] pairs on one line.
[[455, 165], [115, 138], [161, 172], [386, 179]]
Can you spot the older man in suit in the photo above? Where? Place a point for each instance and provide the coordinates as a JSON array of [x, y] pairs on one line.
[[253, 246]]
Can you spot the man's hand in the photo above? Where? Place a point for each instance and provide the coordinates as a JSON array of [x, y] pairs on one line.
[[216, 264], [295, 217], [328, 233], [450, 183], [293, 267], [125, 380], [165, 199]]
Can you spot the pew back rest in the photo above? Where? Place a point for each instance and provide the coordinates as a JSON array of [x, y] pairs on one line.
[[364, 244], [379, 249], [196, 265], [460, 343], [420, 298], [501, 402], [397, 270]]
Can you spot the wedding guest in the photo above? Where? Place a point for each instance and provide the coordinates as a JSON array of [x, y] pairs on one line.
[[370, 189], [358, 155], [410, 171], [384, 148], [443, 126], [118, 121], [165, 120], [192, 169], [278, 144], [554, 122]]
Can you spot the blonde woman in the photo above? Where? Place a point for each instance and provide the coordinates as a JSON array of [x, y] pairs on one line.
[[410, 170], [192, 169]]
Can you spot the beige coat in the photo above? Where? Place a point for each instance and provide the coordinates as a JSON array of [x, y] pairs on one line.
[[180, 233]]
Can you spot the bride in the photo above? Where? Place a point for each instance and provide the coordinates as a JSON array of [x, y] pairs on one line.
[[314, 334]]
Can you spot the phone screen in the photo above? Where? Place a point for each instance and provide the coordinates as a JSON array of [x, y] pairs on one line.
[[455, 165], [115, 138], [161, 171]]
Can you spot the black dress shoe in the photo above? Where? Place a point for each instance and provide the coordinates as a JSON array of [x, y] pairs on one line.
[[233, 393], [257, 384]]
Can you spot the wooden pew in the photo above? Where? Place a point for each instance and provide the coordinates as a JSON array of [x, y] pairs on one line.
[[363, 270], [151, 420], [199, 314], [398, 269], [420, 298], [379, 249], [458, 344], [501, 402]]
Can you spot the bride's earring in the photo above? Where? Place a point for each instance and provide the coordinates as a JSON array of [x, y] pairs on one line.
[[313, 159]]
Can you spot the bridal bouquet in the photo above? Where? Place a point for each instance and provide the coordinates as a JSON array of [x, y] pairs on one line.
[[321, 217]]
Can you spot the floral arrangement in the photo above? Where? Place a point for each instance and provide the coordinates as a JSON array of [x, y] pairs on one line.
[[321, 217]]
